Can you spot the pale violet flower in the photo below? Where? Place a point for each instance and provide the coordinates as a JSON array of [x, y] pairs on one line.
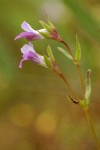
[[30, 34], [30, 54], [48, 32]]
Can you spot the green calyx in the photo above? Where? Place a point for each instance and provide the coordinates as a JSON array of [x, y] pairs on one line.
[[46, 35], [49, 27], [50, 61], [50, 54], [47, 61], [46, 26]]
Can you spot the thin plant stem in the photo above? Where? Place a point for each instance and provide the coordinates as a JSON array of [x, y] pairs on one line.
[[81, 80], [78, 68], [92, 127], [86, 109], [68, 48], [68, 85]]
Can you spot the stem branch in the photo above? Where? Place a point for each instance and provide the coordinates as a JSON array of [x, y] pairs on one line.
[[92, 127], [68, 85], [81, 80], [78, 68], [86, 109]]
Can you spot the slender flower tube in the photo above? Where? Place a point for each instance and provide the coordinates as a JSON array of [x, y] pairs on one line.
[[30, 54], [30, 34]]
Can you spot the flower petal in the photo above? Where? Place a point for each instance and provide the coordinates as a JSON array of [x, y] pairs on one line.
[[30, 54], [25, 26], [20, 64], [27, 47], [29, 36]]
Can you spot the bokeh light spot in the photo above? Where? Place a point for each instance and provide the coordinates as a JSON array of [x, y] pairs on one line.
[[22, 115], [46, 123]]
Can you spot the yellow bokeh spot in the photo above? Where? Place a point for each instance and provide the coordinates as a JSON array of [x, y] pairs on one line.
[[22, 115], [46, 123]]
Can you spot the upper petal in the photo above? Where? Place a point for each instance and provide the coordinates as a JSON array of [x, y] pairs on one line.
[[25, 26], [27, 47]]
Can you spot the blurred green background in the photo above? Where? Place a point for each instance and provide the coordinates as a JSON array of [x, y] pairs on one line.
[[34, 111]]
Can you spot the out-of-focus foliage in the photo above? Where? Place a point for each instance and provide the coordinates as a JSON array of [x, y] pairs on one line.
[[34, 111]]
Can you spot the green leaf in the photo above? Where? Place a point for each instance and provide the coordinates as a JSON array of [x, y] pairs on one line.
[[50, 54], [88, 86], [65, 53], [78, 50], [47, 61]]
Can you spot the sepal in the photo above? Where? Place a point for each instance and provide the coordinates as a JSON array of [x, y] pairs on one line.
[[50, 54], [47, 61]]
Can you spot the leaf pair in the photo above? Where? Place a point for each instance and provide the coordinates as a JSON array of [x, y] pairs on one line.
[[77, 53]]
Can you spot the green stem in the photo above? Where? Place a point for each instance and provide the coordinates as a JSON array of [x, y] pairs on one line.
[[68, 85], [68, 48], [86, 109], [81, 80], [77, 66], [92, 127]]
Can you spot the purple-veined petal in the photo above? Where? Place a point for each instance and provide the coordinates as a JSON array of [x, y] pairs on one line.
[[33, 56], [29, 36], [30, 54]]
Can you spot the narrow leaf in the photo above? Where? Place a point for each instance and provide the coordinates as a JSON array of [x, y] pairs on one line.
[[88, 86], [78, 50], [65, 53]]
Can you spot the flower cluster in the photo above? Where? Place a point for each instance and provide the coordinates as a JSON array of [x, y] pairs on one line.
[[28, 51]]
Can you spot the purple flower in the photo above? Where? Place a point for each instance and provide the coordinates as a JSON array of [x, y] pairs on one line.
[[30, 54], [48, 32], [30, 34]]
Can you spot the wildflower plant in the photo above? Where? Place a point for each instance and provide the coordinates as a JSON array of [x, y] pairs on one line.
[[48, 61]]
